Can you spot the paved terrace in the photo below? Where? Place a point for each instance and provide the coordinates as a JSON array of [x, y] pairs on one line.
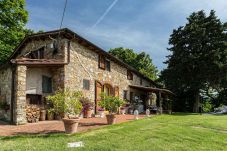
[[55, 126]]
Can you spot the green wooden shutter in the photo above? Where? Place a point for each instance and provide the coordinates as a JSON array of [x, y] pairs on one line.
[[47, 84]]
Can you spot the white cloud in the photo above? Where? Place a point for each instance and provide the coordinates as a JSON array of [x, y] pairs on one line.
[[125, 37]]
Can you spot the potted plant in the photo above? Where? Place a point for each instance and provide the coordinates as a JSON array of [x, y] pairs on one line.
[[57, 102], [101, 112], [123, 110], [71, 107], [50, 114], [111, 104], [88, 107]]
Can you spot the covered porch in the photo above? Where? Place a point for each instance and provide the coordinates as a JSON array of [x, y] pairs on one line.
[[141, 99], [33, 80]]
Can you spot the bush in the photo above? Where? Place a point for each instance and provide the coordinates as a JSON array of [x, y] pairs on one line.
[[66, 102], [207, 106], [110, 103]]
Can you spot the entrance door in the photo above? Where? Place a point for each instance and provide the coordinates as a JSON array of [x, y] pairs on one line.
[[98, 91]]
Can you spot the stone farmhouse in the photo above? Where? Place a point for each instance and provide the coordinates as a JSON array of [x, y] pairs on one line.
[[45, 62]]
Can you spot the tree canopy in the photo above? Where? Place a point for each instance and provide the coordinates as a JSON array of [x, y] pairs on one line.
[[198, 58], [140, 61], [13, 18]]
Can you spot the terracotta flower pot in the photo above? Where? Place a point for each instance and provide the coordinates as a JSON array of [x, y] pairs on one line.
[[70, 125], [111, 119], [89, 113]]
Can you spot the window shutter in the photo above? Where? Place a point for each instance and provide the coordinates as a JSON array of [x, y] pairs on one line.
[[46, 84], [102, 62], [86, 84], [98, 91], [116, 91], [107, 65]]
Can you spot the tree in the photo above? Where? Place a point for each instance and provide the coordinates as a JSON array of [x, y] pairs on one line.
[[141, 61], [197, 59], [13, 18]]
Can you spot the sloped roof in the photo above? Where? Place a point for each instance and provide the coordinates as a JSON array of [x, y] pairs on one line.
[[72, 35], [150, 89]]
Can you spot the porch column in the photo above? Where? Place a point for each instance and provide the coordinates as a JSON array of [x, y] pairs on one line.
[[160, 101], [20, 95]]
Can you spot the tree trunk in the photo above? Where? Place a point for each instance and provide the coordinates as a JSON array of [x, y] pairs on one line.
[[196, 103]]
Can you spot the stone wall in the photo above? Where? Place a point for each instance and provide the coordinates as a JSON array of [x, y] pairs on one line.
[[58, 75], [84, 65], [48, 45], [20, 95], [5, 90]]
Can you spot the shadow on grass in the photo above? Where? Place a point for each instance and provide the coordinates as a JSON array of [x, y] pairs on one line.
[[183, 114], [186, 114], [33, 135]]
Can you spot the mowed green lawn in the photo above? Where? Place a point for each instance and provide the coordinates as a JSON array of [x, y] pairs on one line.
[[165, 132]]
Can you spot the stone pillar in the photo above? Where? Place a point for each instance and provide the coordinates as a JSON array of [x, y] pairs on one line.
[[160, 101], [20, 95]]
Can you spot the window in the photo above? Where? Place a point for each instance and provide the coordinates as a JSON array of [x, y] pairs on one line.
[[129, 75], [108, 90], [37, 54], [46, 84], [141, 81], [125, 93], [108, 65], [104, 63], [86, 84], [101, 62]]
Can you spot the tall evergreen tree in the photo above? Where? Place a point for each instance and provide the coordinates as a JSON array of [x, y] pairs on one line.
[[141, 61], [198, 57], [13, 18]]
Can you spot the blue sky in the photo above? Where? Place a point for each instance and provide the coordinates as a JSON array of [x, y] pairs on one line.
[[143, 25]]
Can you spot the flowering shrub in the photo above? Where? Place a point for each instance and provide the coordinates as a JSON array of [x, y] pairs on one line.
[[87, 104], [101, 109]]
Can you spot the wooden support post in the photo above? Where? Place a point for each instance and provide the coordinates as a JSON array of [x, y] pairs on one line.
[[160, 101]]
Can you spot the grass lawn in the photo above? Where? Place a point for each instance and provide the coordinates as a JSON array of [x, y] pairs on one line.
[[165, 132]]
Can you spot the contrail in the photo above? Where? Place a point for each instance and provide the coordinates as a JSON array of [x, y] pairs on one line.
[[105, 13]]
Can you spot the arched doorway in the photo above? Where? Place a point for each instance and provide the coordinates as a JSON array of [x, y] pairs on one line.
[[105, 88], [108, 89]]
